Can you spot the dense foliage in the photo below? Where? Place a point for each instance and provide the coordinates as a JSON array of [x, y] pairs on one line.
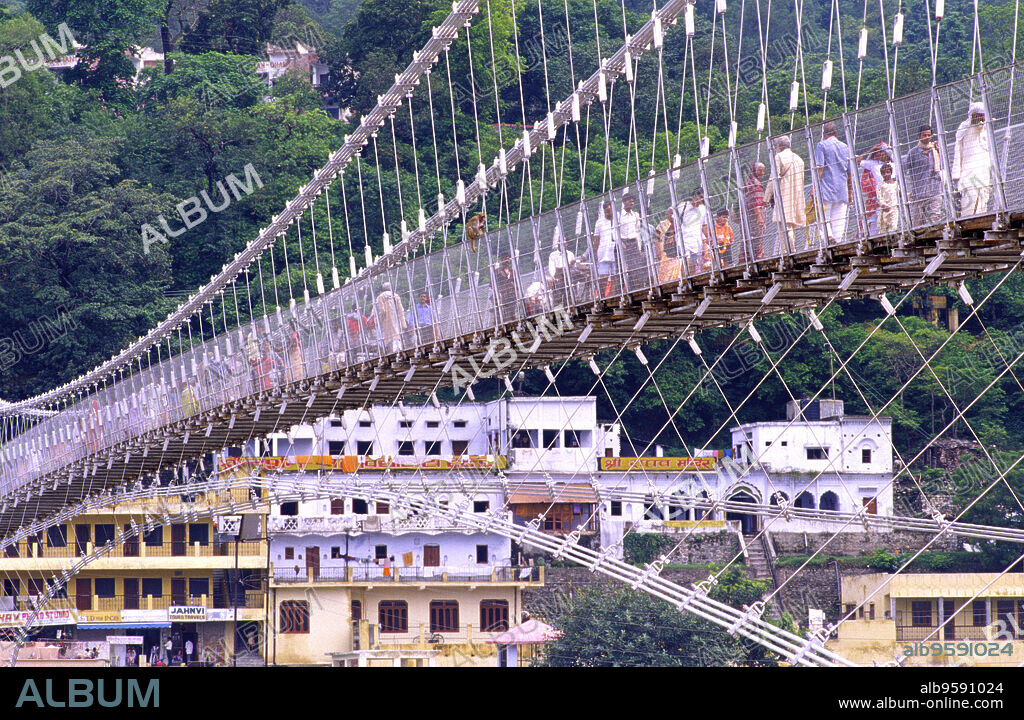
[[605, 627]]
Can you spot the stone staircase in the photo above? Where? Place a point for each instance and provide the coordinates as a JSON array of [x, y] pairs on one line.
[[757, 561], [761, 568]]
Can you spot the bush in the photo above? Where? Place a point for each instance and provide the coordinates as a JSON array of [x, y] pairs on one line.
[[642, 548], [883, 560]]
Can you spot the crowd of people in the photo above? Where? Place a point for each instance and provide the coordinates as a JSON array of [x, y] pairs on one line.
[[620, 253]]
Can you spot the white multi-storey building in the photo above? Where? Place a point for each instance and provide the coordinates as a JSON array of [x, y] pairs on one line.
[[818, 458]]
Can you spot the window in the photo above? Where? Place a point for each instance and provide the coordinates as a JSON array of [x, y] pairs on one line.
[[57, 536], [978, 612], [493, 615], [357, 610], [57, 590], [104, 534], [459, 423], [444, 616], [817, 453], [155, 537], [294, 616], [865, 455], [380, 551], [11, 551], [359, 507], [289, 553], [522, 439], [432, 424], [199, 533], [616, 510], [480, 506], [871, 611], [335, 423], [131, 543], [1005, 615], [481, 554], [364, 447], [805, 501], [336, 552], [406, 447], [153, 586], [365, 423], [337, 506], [405, 423], [829, 501], [383, 508], [550, 439], [921, 613], [431, 556], [290, 509], [460, 447], [433, 448], [335, 447], [197, 587], [571, 439], [105, 587], [393, 616]]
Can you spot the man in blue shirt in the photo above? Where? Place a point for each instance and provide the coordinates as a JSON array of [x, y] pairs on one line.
[[833, 160], [924, 184], [421, 317]]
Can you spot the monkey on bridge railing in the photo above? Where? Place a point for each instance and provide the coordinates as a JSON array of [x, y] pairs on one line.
[[475, 229]]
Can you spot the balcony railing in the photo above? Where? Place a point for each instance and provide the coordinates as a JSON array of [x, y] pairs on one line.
[[368, 636], [133, 549], [962, 627], [338, 524], [253, 599], [375, 574]]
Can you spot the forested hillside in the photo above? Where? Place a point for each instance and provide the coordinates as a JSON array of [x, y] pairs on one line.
[[88, 159]]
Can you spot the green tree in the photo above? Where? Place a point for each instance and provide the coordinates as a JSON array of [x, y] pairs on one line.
[[235, 26], [70, 236], [107, 28], [615, 627]]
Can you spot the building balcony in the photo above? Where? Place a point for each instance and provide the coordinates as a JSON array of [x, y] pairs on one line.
[[911, 627], [192, 496], [375, 575], [173, 554], [92, 608], [418, 646], [345, 524]]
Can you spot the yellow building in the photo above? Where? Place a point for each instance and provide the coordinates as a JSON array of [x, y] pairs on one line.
[[401, 619], [182, 583], [906, 617]]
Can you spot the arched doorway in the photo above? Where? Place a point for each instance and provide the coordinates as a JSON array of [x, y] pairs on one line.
[[829, 501], [748, 521], [805, 500]]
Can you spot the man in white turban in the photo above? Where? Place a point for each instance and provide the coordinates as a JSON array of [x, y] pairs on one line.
[[972, 162]]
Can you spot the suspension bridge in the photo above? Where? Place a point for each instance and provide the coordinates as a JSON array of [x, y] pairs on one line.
[[606, 273]]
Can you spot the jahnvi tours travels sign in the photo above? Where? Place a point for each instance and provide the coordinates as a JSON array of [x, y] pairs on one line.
[[178, 613]]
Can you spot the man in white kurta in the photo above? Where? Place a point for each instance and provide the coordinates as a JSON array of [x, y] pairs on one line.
[[972, 162]]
